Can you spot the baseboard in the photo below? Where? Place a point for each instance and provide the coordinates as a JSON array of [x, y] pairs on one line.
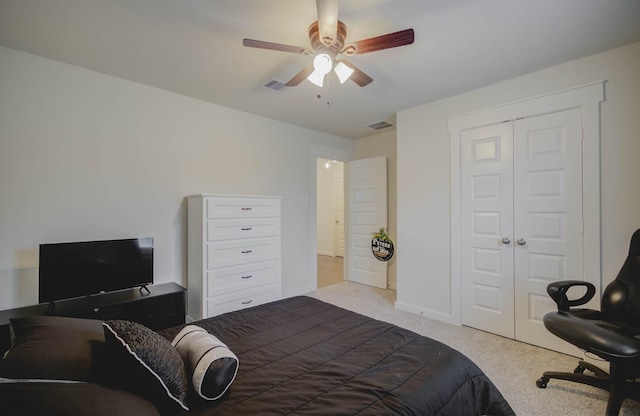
[[438, 316], [298, 292], [325, 253]]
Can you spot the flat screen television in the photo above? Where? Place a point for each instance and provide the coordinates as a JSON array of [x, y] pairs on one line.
[[75, 269]]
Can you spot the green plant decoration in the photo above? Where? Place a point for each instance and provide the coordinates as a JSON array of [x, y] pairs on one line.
[[382, 235]]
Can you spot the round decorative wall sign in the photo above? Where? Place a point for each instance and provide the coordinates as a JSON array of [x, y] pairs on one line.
[[381, 245]]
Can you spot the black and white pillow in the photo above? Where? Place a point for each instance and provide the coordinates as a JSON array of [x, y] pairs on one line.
[[210, 363], [146, 364]]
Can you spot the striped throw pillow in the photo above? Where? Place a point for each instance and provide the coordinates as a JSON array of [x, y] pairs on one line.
[[211, 365]]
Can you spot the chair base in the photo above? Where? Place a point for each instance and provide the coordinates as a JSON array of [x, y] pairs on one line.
[[617, 383]]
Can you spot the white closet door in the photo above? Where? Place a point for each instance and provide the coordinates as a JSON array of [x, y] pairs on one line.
[[487, 228], [548, 218], [367, 205]]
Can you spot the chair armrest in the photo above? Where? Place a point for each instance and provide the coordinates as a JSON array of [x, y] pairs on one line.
[[558, 292]]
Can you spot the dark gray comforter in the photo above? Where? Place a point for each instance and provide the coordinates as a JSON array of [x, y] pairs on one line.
[[301, 356]]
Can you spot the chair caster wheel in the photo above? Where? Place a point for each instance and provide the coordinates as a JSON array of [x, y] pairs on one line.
[[579, 370], [541, 383]]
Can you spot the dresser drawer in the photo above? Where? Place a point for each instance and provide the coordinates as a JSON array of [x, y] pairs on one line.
[[228, 279], [242, 299], [235, 252], [242, 208], [227, 229]]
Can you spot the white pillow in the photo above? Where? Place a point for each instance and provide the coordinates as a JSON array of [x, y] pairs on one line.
[[210, 363]]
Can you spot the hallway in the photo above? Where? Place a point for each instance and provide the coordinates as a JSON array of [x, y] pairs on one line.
[[330, 270]]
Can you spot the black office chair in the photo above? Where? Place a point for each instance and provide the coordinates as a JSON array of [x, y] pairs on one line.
[[612, 334]]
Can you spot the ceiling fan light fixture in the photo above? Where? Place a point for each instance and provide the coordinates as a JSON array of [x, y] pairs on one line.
[[343, 71], [322, 64], [316, 78]]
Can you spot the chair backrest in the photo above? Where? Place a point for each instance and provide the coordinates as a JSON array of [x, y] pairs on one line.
[[621, 298]]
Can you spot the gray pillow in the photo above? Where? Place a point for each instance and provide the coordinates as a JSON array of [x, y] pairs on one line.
[[211, 365], [77, 399], [146, 364], [55, 348]]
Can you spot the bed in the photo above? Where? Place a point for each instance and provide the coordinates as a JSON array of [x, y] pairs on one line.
[[301, 356]]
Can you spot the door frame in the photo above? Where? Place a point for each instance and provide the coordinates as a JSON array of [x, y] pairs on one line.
[[587, 98], [332, 193], [336, 192]]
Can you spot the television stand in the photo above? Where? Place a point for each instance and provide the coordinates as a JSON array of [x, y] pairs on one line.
[[162, 306]]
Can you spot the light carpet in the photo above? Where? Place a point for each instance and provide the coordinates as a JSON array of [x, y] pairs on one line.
[[513, 366]]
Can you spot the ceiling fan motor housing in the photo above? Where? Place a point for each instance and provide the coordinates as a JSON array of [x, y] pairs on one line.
[[336, 44]]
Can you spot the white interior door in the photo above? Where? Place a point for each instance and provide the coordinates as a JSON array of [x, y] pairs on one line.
[[548, 218], [487, 228], [367, 208]]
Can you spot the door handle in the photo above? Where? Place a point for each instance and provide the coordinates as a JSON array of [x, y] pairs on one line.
[[521, 241], [506, 241]]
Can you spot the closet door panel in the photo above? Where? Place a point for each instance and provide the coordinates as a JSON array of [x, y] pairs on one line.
[[487, 228], [547, 216]]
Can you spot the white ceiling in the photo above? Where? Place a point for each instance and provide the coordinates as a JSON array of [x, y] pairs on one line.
[[194, 47]]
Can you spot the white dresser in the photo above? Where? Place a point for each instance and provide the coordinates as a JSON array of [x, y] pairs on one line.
[[233, 253]]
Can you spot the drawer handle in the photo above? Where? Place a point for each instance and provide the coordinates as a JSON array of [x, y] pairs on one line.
[[246, 251], [246, 229], [247, 277], [246, 302], [246, 209]]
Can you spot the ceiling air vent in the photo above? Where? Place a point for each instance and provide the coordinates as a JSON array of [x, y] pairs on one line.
[[274, 85], [379, 125]]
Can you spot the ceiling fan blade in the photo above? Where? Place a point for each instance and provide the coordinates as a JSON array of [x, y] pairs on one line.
[[358, 76], [300, 76], [390, 40], [327, 20], [252, 43]]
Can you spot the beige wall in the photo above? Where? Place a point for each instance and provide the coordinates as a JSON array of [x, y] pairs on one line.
[[87, 156], [423, 263], [384, 144]]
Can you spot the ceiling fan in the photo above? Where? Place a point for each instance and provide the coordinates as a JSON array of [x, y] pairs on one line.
[[328, 36]]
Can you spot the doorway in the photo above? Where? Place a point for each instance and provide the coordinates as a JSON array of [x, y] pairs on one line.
[[345, 225], [330, 221]]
